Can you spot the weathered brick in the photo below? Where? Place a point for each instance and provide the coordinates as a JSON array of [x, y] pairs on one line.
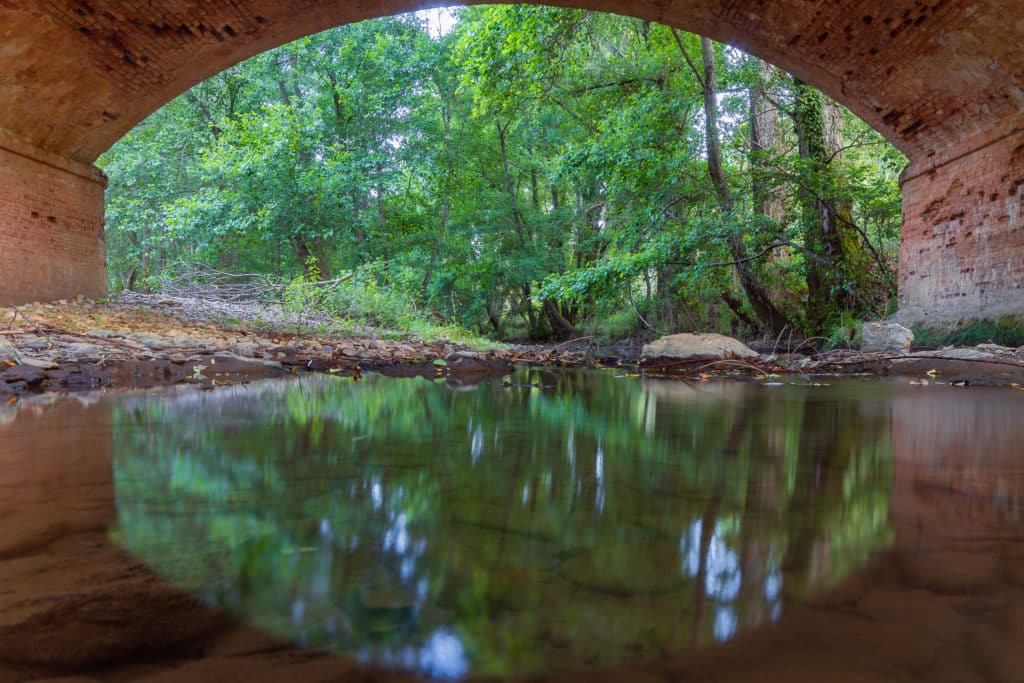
[[51, 228], [929, 74], [962, 252]]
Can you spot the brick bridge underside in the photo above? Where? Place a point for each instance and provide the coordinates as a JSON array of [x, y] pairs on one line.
[[942, 79]]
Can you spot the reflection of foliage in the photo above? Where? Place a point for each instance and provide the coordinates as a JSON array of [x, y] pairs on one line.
[[590, 521]]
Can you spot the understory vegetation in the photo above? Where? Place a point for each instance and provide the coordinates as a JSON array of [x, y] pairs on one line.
[[531, 173]]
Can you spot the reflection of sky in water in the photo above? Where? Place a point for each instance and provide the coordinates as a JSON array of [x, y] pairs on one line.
[[723, 577], [725, 623], [442, 656]]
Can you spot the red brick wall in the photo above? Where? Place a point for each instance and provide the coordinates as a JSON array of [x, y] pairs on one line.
[[962, 252], [51, 227]]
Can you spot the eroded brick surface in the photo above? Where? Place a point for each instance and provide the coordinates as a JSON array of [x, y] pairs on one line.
[[77, 74], [962, 252], [51, 232]]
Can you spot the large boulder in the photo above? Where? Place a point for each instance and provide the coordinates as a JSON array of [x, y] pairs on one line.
[[885, 337], [696, 347]]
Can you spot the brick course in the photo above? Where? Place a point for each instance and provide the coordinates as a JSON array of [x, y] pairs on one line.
[[51, 229], [962, 251]]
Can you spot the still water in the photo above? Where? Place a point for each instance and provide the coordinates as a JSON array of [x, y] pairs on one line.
[[555, 524]]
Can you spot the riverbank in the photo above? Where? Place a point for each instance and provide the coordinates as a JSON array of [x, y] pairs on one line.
[[141, 341]]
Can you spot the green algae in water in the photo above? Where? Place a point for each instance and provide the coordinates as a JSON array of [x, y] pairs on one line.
[[572, 519]]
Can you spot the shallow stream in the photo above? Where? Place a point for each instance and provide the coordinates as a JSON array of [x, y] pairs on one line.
[[556, 523]]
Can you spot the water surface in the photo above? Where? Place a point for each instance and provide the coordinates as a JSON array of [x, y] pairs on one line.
[[557, 523]]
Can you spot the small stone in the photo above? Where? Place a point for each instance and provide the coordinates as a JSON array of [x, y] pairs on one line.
[[995, 349], [880, 336], [184, 341], [469, 363], [246, 349], [39, 363], [77, 351], [7, 350], [23, 373], [151, 341]]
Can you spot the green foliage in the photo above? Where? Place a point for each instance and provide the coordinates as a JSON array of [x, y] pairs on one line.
[[534, 169], [845, 333]]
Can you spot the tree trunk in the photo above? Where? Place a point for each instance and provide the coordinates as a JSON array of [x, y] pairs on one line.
[[831, 286], [562, 328], [442, 228], [495, 319], [766, 311], [764, 142], [302, 252], [517, 216]]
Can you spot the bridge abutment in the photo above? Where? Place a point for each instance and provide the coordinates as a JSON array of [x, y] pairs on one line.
[[962, 246], [51, 226]]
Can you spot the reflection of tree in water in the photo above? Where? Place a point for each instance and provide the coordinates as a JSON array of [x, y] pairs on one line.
[[507, 529]]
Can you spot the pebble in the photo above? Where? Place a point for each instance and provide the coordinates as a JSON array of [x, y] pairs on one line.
[[7, 350], [39, 363], [83, 351], [152, 341], [246, 349]]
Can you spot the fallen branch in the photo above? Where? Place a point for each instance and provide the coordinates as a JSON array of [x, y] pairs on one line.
[[39, 330]]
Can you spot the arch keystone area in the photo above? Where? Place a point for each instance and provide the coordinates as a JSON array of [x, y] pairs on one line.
[[942, 79]]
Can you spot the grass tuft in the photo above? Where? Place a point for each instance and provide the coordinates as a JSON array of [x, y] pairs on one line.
[[1006, 331]]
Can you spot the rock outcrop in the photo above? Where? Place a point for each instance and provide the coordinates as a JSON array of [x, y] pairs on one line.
[[885, 337], [688, 347]]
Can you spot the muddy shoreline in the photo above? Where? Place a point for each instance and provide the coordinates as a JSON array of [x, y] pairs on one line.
[[146, 342]]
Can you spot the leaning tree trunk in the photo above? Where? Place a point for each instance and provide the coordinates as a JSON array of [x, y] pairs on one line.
[[760, 300], [561, 327]]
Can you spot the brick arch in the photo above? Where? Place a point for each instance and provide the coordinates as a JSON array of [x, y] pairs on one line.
[[942, 79]]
